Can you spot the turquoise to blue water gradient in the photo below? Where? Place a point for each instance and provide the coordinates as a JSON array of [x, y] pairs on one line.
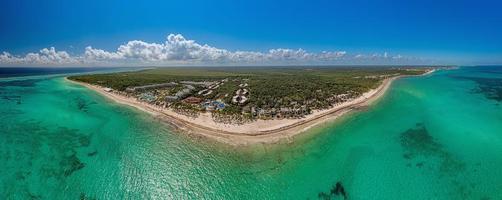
[[432, 137]]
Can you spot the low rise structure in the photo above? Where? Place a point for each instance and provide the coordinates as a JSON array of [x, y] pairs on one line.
[[148, 87], [192, 100]]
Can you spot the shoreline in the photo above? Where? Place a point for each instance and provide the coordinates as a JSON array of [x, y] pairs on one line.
[[255, 132]]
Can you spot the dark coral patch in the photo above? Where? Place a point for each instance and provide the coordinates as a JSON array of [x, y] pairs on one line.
[[13, 98], [94, 153], [19, 83], [71, 164], [84, 140], [81, 104], [418, 141], [337, 190], [83, 196], [491, 88]]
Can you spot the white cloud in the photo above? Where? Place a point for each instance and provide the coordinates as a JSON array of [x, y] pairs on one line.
[[398, 56], [177, 49], [44, 57], [98, 54]]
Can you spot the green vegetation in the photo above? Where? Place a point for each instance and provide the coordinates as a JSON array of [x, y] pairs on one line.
[[251, 92]]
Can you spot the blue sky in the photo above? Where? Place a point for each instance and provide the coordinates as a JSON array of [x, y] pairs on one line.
[[449, 32]]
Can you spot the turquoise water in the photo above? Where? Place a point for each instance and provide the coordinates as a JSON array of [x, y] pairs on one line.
[[434, 137]]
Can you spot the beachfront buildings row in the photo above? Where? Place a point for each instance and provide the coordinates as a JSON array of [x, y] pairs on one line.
[[186, 92], [209, 96]]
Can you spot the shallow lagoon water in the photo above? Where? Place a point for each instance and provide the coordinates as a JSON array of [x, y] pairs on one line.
[[433, 137]]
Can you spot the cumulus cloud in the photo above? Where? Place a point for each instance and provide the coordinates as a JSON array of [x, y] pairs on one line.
[[98, 54], [44, 56], [177, 49]]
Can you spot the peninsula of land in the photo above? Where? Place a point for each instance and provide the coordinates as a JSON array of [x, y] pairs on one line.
[[246, 107]]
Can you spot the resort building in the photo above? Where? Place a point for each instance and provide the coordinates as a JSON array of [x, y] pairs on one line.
[[192, 100], [213, 105], [202, 83], [148, 97], [202, 91], [149, 87], [240, 96], [207, 93]]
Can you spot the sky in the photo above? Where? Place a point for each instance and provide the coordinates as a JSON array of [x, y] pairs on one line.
[[258, 32]]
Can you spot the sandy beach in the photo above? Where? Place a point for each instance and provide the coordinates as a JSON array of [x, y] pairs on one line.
[[255, 132]]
